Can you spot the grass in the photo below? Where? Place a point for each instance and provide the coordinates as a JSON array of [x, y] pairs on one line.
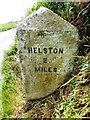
[[7, 26], [72, 100], [11, 75]]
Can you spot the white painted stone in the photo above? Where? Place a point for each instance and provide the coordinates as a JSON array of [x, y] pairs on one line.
[[47, 48]]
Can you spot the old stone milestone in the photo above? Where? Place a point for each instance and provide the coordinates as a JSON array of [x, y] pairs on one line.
[[47, 48]]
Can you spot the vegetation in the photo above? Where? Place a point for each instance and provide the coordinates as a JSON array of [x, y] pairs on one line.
[[72, 99], [11, 75], [7, 26], [61, 8]]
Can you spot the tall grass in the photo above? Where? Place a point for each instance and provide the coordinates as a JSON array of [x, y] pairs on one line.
[[9, 71]]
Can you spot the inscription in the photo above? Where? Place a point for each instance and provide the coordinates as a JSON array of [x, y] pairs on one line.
[[44, 69], [45, 50], [49, 50]]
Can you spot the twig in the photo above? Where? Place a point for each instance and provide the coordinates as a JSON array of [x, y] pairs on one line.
[[83, 9], [85, 107], [80, 13], [87, 45], [68, 81]]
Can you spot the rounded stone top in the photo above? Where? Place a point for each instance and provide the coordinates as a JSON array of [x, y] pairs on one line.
[[45, 19]]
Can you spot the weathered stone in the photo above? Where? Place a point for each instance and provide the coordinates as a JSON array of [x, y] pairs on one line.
[[47, 48]]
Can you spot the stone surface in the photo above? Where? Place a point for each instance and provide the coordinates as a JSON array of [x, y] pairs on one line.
[[47, 48]]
